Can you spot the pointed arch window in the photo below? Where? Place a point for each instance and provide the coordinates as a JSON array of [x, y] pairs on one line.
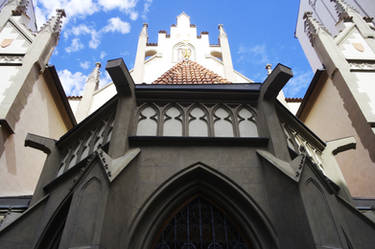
[[147, 122], [247, 126], [198, 125], [223, 123], [200, 225], [172, 122]]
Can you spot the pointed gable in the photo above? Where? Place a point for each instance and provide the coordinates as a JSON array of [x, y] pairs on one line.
[[189, 72]]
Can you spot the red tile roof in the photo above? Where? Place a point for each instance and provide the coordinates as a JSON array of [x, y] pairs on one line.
[[189, 72]]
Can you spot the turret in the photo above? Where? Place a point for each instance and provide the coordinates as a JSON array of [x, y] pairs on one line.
[[92, 83], [227, 59], [140, 57]]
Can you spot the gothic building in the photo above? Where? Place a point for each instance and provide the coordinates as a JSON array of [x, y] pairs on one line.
[[338, 38], [193, 160], [31, 99]]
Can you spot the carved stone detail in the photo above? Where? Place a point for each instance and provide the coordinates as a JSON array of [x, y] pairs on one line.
[[209, 118], [362, 65], [13, 59]]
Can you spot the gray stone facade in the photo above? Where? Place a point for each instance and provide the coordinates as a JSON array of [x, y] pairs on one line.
[[103, 186]]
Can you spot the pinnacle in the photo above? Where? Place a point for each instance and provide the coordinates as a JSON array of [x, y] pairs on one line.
[[54, 23]]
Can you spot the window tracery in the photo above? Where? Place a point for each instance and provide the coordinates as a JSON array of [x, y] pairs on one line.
[[196, 119], [198, 123], [147, 122], [247, 126], [200, 225], [172, 122], [223, 123]]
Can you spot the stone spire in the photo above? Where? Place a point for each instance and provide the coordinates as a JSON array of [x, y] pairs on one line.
[[227, 58], [140, 57], [34, 62], [53, 24], [21, 7], [344, 10], [313, 26], [15, 8], [92, 83]]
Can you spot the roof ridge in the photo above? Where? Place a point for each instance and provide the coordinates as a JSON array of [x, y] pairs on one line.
[[189, 72]]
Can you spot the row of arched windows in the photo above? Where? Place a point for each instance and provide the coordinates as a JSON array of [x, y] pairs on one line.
[[196, 120]]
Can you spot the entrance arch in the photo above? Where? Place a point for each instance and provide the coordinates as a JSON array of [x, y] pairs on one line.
[[201, 181]]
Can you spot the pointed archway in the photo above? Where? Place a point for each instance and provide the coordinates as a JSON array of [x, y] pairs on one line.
[[201, 182]]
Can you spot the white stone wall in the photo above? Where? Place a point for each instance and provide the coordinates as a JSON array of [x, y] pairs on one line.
[[324, 12], [183, 35], [20, 166]]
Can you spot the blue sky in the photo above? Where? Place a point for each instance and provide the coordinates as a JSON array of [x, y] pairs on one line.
[[259, 32]]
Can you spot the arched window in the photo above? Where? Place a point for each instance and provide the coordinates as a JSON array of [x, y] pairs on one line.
[[200, 225], [198, 122], [247, 124], [147, 122], [172, 122], [223, 123]]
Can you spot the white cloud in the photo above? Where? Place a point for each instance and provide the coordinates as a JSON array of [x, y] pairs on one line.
[[73, 83], [83, 8], [297, 85], [75, 46], [85, 64], [83, 29], [257, 54], [146, 8], [133, 15], [73, 8], [125, 5], [115, 24], [102, 55]]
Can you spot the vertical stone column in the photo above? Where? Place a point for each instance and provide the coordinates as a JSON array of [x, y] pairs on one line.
[[227, 58], [140, 57], [91, 85]]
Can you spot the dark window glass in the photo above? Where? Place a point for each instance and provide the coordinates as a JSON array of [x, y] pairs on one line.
[[200, 225]]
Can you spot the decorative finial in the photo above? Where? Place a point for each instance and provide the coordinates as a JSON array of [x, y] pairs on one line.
[[312, 26], [94, 76], [269, 69]]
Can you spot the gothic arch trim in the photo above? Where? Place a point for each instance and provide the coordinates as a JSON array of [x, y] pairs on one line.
[[200, 179]]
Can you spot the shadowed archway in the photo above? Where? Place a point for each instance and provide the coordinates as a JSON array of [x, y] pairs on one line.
[[200, 182]]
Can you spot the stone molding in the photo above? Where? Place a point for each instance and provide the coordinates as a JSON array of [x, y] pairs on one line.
[[11, 59], [362, 65]]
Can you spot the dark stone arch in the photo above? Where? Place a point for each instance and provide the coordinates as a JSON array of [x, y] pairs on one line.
[[200, 179], [321, 219], [51, 236]]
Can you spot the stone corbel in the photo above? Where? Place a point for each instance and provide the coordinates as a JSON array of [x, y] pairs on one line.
[[276, 81], [292, 169], [113, 167], [120, 76], [40, 143]]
